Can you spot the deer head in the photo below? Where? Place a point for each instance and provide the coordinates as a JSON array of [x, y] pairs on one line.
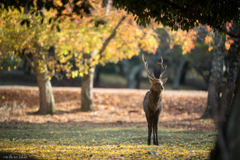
[[156, 83]]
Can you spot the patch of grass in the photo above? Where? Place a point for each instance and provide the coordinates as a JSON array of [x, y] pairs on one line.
[[68, 141], [145, 84]]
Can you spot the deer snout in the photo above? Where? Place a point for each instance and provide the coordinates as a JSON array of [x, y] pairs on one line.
[[162, 87]]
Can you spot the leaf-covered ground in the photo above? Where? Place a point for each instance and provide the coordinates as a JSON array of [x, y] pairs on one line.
[[116, 129]]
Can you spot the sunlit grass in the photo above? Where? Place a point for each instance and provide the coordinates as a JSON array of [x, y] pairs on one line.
[[68, 141]]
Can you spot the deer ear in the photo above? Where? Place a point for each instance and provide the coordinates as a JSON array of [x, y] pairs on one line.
[[151, 80], [164, 80]]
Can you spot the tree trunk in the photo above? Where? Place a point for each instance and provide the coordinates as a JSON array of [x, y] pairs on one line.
[[184, 72], [228, 91], [231, 132], [87, 81], [106, 4], [132, 75], [179, 71], [217, 75], [86, 94], [47, 102], [228, 142]]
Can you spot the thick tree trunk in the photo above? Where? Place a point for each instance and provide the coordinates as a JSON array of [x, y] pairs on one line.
[[179, 71], [228, 91], [47, 102], [217, 75], [228, 142], [231, 132], [86, 94]]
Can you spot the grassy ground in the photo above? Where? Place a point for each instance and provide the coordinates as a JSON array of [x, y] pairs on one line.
[[60, 141], [116, 129]]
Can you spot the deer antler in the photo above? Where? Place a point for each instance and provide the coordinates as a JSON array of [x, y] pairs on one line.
[[146, 67], [163, 69]]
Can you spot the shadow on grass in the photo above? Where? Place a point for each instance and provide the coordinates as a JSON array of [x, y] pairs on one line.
[[90, 133], [58, 112]]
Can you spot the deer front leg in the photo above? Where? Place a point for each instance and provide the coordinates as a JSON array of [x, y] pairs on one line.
[[155, 130]]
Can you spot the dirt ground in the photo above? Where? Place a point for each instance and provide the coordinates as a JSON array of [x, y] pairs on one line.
[[113, 107]]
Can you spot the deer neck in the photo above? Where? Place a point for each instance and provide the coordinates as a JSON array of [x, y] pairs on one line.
[[155, 98]]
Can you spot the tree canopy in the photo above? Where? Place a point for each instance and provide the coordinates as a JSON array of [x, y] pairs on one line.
[[183, 14]]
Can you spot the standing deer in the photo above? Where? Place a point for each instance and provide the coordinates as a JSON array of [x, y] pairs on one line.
[[152, 103]]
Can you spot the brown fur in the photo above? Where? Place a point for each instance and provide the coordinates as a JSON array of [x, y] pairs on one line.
[[152, 105]]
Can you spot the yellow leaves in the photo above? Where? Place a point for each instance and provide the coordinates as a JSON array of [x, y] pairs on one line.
[[74, 74], [77, 37], [101, 151], [182, 38]]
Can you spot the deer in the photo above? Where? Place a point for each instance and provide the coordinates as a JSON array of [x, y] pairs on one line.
[[152, 103]]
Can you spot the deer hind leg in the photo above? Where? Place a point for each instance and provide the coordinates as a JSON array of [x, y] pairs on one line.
[[150, 126]]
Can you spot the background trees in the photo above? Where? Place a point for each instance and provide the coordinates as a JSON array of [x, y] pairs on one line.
[[186, 15], [82, 40]]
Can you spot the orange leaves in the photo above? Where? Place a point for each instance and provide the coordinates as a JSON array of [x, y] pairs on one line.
[[228, 42], [210, 48], [208, 28], [183, 38], [227, 45], [208, 39], [228, 26]]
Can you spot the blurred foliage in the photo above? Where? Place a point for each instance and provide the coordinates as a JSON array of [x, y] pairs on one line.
[[9, 62], [76, 38]]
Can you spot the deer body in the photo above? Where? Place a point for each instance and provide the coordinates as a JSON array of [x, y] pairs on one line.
[[152, 104]]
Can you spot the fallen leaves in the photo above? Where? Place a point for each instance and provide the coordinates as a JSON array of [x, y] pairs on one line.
[[121, 151], [181, 108], [118, 125]]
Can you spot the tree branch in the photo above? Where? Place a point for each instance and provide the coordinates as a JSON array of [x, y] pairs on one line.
[[29, 62], [105, 44]]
